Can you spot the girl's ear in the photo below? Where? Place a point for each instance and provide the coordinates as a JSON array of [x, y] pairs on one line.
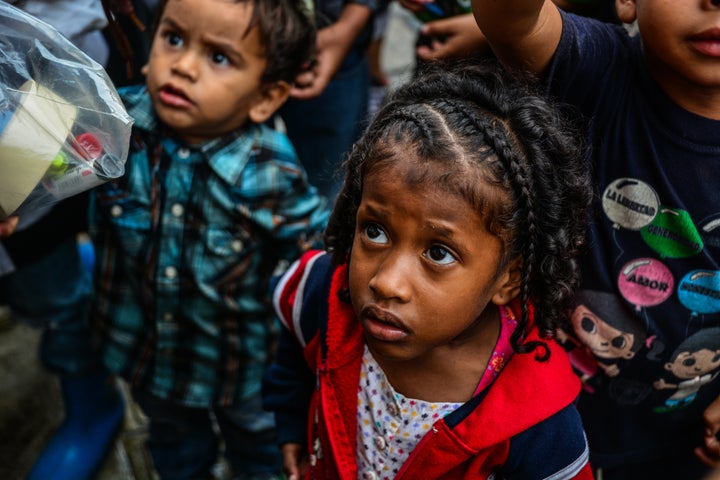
[[508, 286], [268, 101], [626, 10]]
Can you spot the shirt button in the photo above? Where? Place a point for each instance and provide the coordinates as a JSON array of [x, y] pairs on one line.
[[380, 442], [168, 317], [369, 476], [183, 153], [392, 409], [171, 272], [116, 211], [177, 210], [237, 246]]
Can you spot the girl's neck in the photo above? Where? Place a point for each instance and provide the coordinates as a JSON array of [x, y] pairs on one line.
[[450, 372]]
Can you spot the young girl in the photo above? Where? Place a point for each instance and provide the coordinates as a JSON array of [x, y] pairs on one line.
[[420, 346]]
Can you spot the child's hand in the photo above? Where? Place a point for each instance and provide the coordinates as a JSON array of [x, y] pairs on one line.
[[453, 37], [294, 463], [709, 453], [7, 226]]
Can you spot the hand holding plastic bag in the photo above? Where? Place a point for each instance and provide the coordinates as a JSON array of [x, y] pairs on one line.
[[63, 127]]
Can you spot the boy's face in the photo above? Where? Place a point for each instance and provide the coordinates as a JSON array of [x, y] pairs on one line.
[[204, 71], [681, 42]]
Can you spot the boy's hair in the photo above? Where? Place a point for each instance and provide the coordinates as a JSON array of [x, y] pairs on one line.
[[287, 34], [504, 149]]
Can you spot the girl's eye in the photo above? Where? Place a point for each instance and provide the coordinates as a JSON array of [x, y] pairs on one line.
[[440, 255], [375, 234], [220, 58]]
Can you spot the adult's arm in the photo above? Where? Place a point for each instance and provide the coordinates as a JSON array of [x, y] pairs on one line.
[[333, 44]]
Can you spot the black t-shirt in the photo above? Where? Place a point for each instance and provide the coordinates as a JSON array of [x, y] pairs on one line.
[[650, 301]]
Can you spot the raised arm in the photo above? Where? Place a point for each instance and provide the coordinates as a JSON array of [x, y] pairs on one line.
[[522, 33]]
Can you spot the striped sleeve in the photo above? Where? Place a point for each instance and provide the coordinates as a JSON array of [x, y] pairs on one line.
[[300, 296]]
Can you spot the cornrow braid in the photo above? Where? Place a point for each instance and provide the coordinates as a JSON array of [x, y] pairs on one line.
[[521, 181]]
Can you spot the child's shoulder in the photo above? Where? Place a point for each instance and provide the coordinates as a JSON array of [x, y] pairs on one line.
[[133, 94], [271, 136], [139, 106], [301, 295]]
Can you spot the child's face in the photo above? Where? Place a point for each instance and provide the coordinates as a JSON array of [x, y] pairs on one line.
[[204, 73], [604, 340], [423, 269], [681, 42]]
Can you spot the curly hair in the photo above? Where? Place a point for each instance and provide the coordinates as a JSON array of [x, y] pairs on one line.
[[287, 33], [484, 126]]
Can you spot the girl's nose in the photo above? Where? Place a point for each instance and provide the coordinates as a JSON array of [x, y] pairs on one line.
[[392, 278]]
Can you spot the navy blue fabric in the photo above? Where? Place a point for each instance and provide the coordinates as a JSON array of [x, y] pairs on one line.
[[561, 438]]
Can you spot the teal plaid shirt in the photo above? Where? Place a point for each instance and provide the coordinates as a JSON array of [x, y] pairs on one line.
[[185, 243]]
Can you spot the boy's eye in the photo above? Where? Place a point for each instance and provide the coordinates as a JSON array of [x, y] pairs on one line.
[[440, 255], [173, 39], [375, 234], [220, 58]]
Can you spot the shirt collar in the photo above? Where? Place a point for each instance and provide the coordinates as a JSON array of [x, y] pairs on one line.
[[227, 155]]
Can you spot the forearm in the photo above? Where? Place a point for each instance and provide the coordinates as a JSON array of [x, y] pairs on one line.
[[344, 31], [522, 33]]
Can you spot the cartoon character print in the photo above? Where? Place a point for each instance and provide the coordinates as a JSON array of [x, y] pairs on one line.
[[603, 326], [693, 364]]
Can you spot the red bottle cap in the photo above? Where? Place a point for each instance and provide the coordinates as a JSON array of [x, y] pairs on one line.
[[88, 146]]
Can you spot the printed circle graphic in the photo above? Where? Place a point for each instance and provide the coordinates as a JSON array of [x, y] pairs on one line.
[[699, 291], [672, 234], [630, 203], [645, 282]]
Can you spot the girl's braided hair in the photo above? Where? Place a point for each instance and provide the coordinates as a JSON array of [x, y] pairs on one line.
[[487, 128]]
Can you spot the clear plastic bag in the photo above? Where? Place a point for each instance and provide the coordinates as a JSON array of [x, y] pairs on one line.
[[63, 127]]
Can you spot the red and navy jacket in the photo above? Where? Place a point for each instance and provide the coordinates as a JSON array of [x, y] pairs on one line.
[[524, 426]]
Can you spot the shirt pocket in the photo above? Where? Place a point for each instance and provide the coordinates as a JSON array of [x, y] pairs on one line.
[[128, 217], [226, 257]]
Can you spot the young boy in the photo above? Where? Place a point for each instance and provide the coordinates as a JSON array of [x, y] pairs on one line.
[[653, 104], [213, 200]]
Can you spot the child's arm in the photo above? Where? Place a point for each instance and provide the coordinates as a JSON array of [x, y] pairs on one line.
[[287, 388], [522, 33], [294, 464]]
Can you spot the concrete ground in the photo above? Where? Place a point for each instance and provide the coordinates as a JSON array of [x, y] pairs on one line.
[[30, 402]]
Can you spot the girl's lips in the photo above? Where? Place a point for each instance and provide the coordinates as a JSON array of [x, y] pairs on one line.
[[383, 325], [174, 97]]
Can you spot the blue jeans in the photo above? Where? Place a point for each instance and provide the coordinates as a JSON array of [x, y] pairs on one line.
[[53, 293], [184, 444], [323, 129]]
